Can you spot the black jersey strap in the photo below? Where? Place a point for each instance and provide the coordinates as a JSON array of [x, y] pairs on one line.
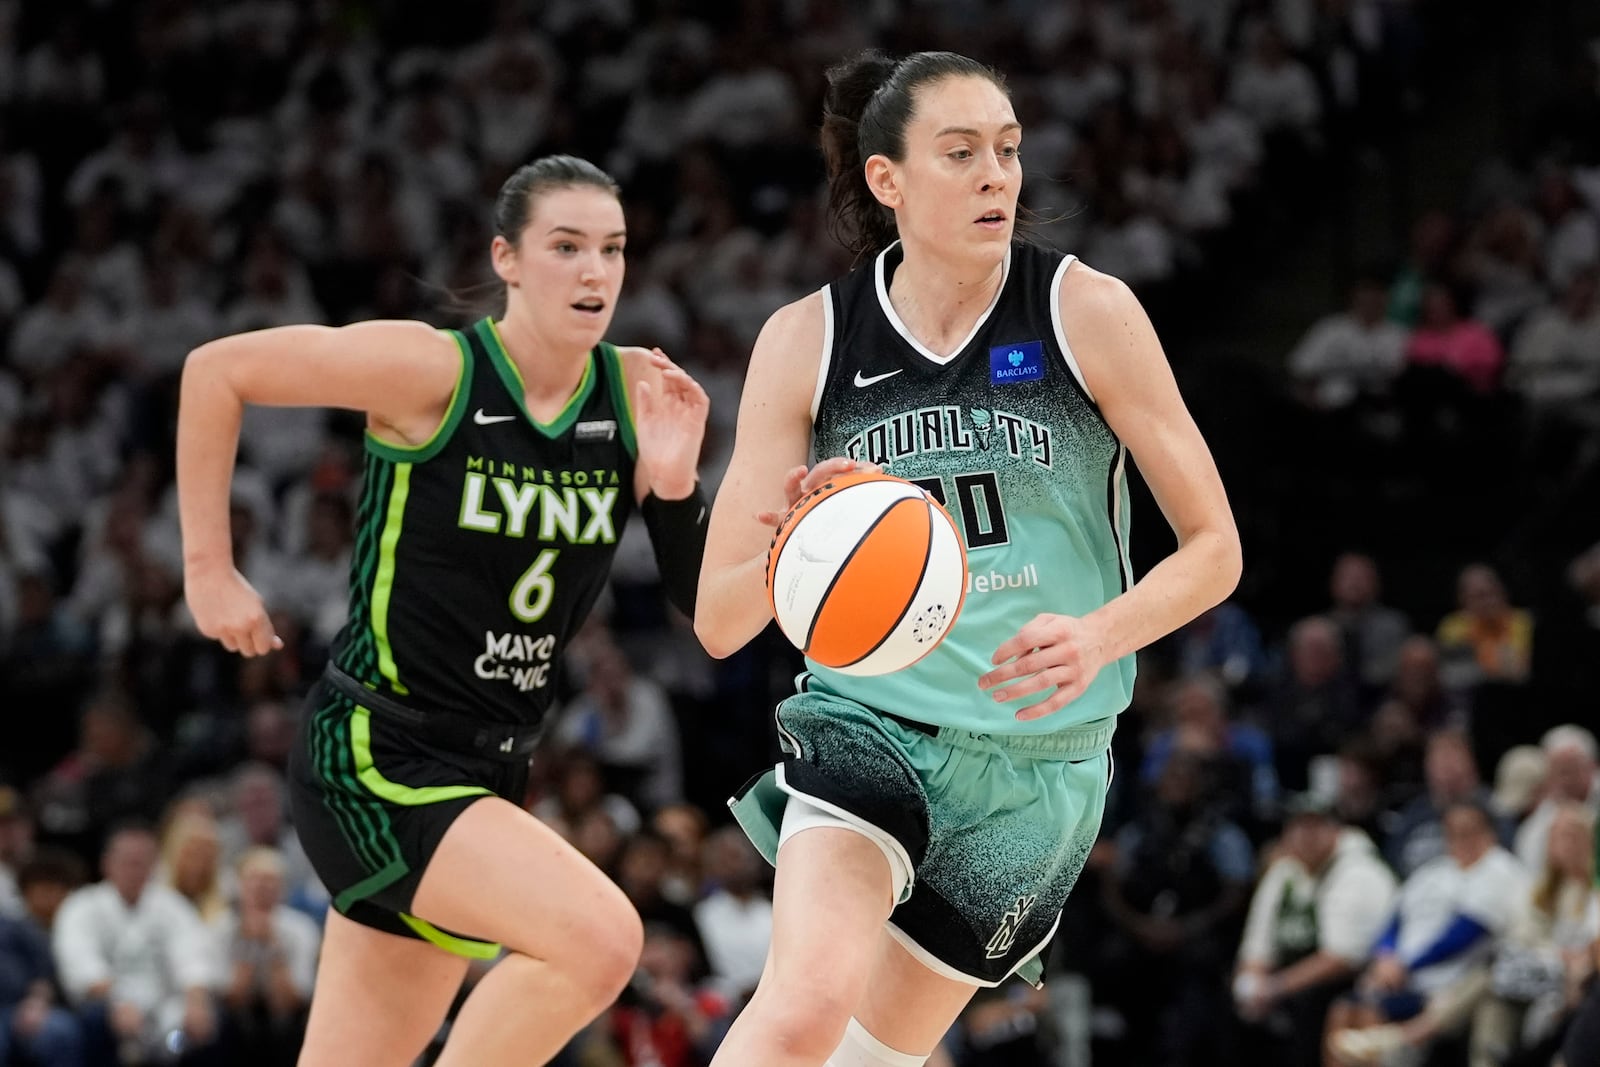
[[456, 733]]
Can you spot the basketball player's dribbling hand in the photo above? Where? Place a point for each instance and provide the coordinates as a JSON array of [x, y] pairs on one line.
[[800, 481], [227, 609], [670, 423], [1051, 650]]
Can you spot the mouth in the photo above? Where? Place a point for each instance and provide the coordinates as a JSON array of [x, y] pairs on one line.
[[591, 306], [993, 220]]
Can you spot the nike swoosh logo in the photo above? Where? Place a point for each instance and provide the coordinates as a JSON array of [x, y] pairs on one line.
[[485, 420], [862, 383]]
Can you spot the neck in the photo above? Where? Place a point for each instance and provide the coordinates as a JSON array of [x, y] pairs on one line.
[[939, 299], [547, 369]]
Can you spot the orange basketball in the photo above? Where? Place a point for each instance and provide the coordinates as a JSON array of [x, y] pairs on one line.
[[866, 574]]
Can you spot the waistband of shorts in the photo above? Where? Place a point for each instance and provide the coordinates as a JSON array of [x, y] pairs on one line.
[[1072, 743], [465, 736]]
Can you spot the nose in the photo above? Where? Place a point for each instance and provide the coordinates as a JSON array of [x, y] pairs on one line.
[[995, 179]]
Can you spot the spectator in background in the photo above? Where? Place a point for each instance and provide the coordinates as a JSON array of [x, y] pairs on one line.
[[1573, 778], [191, 861], [33, 1023], [580, 789], [268, 955], [1316, 706], [1519, 786], [735, 917], [16, 845], [1238, 754], [641, 873], [1544, 962], [259, 819], [1418, 685], [625, 722], [136, 957], [46, 881], [1180, 881], [1452, 778], [1555, 359], [1350, 354], [1486, 639], [1464, 347], [1373, 632], [684, 827], [1314, 918], [116, 772], [1224, 641], [1427, 974], [664, 1018], [1361, 798], [1432, 246]]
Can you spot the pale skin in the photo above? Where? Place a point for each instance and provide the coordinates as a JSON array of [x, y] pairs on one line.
[[961, 163], [498, 874]]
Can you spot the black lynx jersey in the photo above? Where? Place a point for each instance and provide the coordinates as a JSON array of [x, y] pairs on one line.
[[479, 553]]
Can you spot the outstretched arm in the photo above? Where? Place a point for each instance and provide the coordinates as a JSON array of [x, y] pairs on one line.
[[401, 373]]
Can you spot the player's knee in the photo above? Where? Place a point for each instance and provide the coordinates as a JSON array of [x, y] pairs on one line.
[[615, 955], [808, 1025]]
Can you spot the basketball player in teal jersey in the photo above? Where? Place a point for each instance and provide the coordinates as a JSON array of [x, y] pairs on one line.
[[502, 463], [927, 825]]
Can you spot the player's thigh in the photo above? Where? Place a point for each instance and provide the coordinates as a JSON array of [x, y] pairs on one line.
[[501, 875], [379, 997], [830, 900], [907, 1006]]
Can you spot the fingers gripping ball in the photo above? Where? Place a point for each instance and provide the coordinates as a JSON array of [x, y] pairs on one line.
[[866, 574]]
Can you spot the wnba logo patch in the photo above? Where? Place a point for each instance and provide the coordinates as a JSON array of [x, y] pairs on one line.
[[1023, 362]]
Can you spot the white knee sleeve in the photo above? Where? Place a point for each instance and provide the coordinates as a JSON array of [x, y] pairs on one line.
[[861, 1049]]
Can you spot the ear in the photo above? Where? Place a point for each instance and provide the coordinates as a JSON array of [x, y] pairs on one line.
[[884, 181], [504, 258]]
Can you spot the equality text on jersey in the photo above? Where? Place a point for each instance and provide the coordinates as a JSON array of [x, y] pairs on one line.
[[516, 500], [952, 428]]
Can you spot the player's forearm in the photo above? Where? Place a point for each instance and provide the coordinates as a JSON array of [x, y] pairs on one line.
[[731, 607], [209, 415], [1198, 576]]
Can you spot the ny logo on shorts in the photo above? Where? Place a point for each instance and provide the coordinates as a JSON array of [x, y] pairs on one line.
[[1006, 936]]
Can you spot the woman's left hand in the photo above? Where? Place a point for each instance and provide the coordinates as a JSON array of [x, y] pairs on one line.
[[1051, 650], [670, 423]]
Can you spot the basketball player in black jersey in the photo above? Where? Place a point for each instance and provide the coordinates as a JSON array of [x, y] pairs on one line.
[[502, 462], [928, 849]]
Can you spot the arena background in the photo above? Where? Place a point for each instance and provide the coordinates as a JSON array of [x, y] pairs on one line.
[[1258, 170]]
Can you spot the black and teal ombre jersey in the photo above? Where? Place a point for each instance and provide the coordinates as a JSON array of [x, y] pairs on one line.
[[479, 553], [1005, 433]]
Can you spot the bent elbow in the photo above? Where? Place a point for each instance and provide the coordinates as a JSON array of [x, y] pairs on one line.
[[715, 641], [1230, 565]]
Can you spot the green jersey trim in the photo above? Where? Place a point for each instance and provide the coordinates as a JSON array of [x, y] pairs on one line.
[[383, 585], [398, 453], [620, 400], [394, 792], [512, 377], [459, 946], [371, 884]]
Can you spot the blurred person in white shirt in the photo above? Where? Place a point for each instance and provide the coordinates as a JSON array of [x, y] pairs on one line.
[[1313, 920], [1351, 353], [139, 953], [1572, 776]]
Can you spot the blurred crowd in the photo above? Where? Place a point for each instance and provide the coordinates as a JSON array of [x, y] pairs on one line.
[[1300, 780]]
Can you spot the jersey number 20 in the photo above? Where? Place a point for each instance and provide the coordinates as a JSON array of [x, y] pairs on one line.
[[983, 517]]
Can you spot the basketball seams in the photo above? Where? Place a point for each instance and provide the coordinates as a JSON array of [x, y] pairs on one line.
[[911, 597], [864, 543]]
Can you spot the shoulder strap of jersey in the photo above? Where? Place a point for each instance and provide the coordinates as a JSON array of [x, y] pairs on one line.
[[459, 399], [611, 366]]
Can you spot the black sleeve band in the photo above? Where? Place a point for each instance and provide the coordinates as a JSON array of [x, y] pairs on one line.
[[678, 536]]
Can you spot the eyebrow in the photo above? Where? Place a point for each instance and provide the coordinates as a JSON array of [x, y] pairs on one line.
[[582, 233], [970, 132]]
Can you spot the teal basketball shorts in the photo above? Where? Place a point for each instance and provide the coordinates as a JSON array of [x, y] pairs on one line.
[[994, 828]]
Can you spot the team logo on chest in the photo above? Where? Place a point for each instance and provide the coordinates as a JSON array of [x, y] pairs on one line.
[[575, 506]]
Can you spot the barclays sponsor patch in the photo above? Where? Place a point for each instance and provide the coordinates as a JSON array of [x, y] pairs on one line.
[[1009, 364]]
